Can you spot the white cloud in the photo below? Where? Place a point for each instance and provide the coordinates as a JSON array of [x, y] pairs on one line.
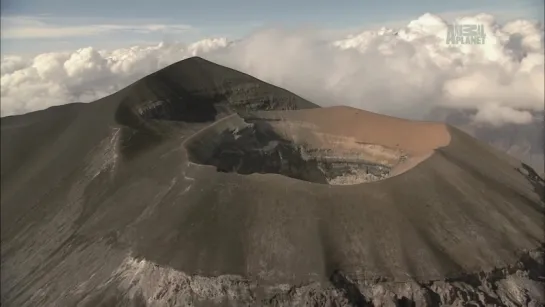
[[11, 64], [497, 115], [404, 72], [25, 27]]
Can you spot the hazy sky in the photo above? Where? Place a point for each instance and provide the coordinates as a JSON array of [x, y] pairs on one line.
[[35, 26]]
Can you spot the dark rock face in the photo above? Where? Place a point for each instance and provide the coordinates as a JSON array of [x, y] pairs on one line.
[[144, 199]]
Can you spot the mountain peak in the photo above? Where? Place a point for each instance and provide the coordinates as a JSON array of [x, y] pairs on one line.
[[196, 89], [209, 185]]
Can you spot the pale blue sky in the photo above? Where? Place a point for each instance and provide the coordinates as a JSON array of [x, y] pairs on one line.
[[32, 26]]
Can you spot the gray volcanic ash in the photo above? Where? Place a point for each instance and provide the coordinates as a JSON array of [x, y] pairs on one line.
[[202, 186]]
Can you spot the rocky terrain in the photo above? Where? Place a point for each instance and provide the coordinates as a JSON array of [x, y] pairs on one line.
[[202, 186]]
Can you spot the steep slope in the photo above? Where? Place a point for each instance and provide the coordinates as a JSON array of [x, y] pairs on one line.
[[160, 195]]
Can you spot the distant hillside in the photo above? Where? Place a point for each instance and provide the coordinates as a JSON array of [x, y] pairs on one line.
[[523, 141]]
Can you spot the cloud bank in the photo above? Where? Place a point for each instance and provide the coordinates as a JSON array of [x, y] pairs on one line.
[[405, 72]]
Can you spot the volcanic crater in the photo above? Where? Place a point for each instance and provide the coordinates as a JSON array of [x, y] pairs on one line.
[[248, 146]]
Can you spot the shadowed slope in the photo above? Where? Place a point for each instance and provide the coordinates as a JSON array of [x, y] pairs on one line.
[[115, 202]]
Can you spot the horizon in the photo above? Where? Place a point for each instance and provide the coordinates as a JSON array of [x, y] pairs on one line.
[[30, 27]]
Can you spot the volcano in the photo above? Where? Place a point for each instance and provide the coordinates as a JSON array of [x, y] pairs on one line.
[[199, 185]]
